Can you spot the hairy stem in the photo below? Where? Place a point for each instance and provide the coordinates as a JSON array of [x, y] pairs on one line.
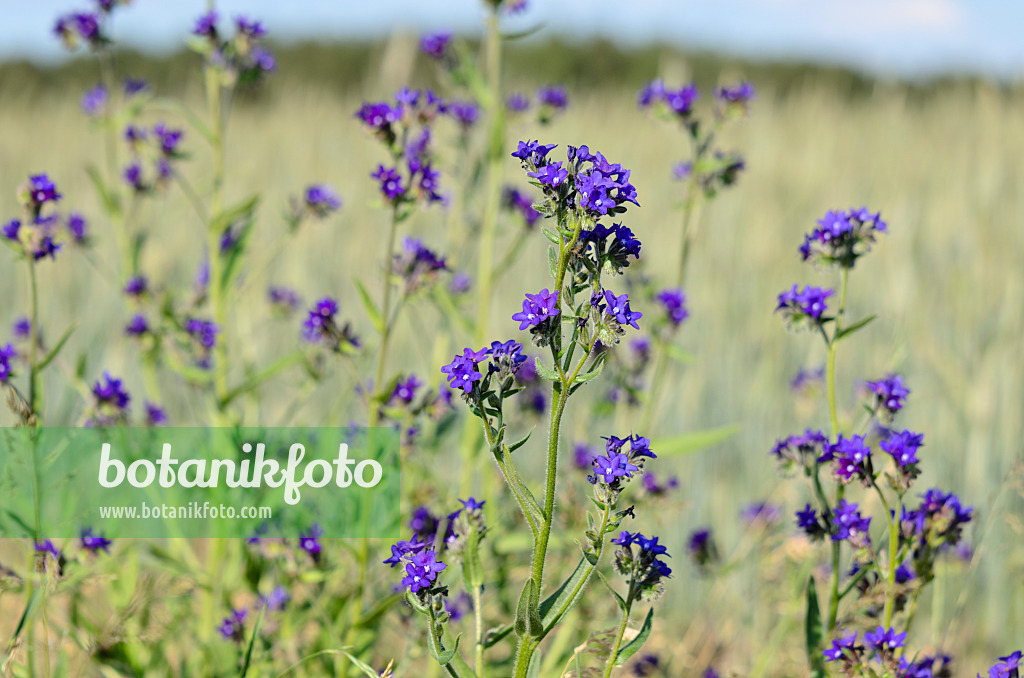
[[33, 372], [609, 665], [216, 292]]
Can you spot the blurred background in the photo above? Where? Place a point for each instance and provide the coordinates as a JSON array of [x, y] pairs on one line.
[[911, 107]]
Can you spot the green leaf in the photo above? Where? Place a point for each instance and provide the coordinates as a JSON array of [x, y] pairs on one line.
[[632, 646], [847, 331], [437, 651], [367, 670], [688, 443], [56, 348], [519, 35], [608, 585], [110, 202], [243, 210], [515, 446], [546, 372], [472, 570], [415, 603], [595, 371], [553, 261], [371, 309], [495, 635], [252, 643], [555, 606], [377, 611], [552, 236], [527, 619], [814, 631]]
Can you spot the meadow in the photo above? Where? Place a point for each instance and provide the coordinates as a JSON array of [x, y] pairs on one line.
[[941, 161]]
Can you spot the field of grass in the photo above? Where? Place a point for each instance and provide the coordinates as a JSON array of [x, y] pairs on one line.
[[944, 168]]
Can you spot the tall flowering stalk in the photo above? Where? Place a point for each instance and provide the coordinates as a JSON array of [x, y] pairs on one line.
[[707, 171], [569, 319], [896, 571]]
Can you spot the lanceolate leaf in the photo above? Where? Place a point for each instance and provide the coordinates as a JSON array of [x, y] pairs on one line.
[[814, 631], [630, 648], [847, 331], [56, 348], [688, 443], [371, 309]]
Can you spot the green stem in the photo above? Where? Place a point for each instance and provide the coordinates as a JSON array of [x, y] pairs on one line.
[[830, 389], [478, 614], [33, 372], [894, 536], [217, 300], [385, 313], [609, 665]]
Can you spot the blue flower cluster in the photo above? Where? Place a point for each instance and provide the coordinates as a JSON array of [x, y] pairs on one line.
[[842, 237]]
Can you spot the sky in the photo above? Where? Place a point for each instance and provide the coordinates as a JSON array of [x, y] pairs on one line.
[[915, 38]]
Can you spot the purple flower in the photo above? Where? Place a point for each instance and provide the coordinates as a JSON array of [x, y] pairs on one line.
[[321, 200], [517, 103], [740, 94], [168, 139], [22, 328], [808, 303], [206, 25], [674, 302], [78, 227], [805, 378], [472, 504], [458, 607], [807, 520], [466, 113], [390, 182], [133, 86], [94, 542], [885, 641], [520, 202], [849, 523], [537, 308], [841, 646], [463, 371], [760, 514], [852, 457], [421, 570], [550, 175], [610, 467], [136, 286], [401, 548], [137, 326], [7, 353], [41, 191], [250, 29], [378, 116], [405, 389], [12, 230], [682, 171], [890, 393], [310, 541], [276, 599], [133, 177], [233, 626], [110, 391], [701, 547], [435, 44], [583, 456], [903, 447], [681, 101], [553, 96], [94, 101], [155, 415], [618, 307], [283, 299], [843, 236], [203, 331], [533, 151], [506, 357], [460, 283], [320, 320]]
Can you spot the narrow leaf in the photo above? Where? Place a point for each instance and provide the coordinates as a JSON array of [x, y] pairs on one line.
[[546, 372], [687, 443], [371, 309], [632, 646], [847, 331], [814, 631], [56, 348]]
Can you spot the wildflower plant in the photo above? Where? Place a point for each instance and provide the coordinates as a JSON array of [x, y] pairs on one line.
[[887, 568], [567, 320]]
